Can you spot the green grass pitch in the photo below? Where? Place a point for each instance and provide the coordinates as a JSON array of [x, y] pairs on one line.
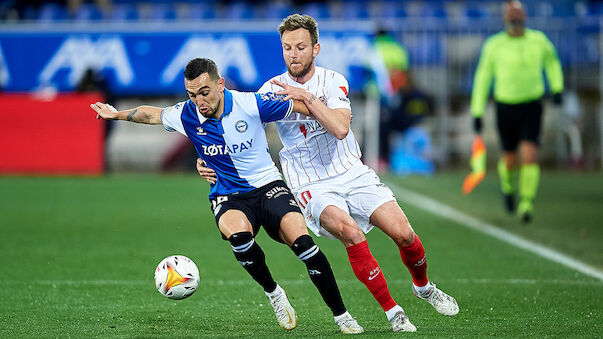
[[79, 256]]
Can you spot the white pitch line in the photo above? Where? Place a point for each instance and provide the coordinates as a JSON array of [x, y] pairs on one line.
[[448, 212]]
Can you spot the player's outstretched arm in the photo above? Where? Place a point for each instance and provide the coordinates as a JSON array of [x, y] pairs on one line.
[[141, 114], [335, 121], [206, 172]]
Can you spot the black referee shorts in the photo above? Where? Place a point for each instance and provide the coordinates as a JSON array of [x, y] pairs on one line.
[[264, 206], [518, 122]]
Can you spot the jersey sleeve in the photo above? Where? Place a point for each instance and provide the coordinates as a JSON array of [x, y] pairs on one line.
[[337, 93], [482, 80], [272, 107], [552, 65], [170, 118], [268, 87]]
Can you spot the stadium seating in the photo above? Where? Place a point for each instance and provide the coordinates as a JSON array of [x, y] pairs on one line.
[[161, 10]]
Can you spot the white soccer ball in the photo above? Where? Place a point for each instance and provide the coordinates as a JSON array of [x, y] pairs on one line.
[[177, 277]]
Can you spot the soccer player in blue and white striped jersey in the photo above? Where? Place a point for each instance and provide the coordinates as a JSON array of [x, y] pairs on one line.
[[340, 196], [227, 130]]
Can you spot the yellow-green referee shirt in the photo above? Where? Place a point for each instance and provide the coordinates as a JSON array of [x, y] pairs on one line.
[[516, 64]]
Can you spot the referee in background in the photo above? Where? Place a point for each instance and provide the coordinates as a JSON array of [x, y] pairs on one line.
[[514, 59]]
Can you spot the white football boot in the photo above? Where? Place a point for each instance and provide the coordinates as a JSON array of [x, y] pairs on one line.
[[401, 323], [285, 314], [442, 302], [347, 324]]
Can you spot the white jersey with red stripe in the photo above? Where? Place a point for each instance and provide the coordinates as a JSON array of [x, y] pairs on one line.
[[310, 153]]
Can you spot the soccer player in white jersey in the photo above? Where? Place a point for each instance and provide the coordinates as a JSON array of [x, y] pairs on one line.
[[340, 196], [227, 130]]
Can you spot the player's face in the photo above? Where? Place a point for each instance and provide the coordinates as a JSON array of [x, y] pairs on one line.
[[206, 94], [298, 52]]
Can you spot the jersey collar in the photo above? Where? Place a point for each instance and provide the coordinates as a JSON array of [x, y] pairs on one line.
[[227, 102], [227, 107], [307, 83]]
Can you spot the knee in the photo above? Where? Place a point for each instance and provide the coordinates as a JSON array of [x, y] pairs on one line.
[[350, 234], [241, 242], [304, 247], [404, 234], [292, 227]]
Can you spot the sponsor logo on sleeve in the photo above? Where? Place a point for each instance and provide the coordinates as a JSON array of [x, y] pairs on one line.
[[271, 97], [345, 90]]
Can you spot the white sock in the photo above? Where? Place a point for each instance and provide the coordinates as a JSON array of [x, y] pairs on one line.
[[341, 316], [393, 311], [276, 291], [423, 289]]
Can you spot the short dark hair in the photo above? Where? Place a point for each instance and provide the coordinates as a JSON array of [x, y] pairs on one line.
[[198, 66], [297, 21]]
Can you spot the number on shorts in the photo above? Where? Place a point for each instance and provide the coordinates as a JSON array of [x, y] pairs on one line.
[[304, 198], [218, 201]]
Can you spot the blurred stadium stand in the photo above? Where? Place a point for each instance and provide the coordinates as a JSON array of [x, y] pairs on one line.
[[442, 37], [132, 10]]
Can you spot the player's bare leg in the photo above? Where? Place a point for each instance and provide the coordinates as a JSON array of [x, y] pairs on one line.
[[529, 177], [391, 220], [294, 233], [365, 266], [237, 228]]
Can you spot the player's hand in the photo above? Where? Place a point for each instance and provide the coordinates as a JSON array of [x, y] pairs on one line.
[[206, 172], [558, 99], [104, 111], [291, 92], [477, 125]]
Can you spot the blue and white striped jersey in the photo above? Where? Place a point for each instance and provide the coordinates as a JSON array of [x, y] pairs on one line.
[[235, 145]]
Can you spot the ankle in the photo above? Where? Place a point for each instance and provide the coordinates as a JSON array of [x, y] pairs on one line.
[[423, 290]]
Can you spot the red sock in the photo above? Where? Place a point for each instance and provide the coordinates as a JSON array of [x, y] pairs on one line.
[[413, 256], [367, 270]]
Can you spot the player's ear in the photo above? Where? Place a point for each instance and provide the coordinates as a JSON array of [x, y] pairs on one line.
[[316, 49], [221, 84]]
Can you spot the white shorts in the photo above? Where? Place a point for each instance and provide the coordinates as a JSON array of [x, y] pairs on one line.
[[359, 192]]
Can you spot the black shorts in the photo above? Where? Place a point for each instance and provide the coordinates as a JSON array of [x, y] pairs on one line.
[[518, 122], [264, 206]]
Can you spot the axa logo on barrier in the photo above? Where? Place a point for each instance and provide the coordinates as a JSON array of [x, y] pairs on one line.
[[340, 53], [77, 53], [226, 52], [80, 53]]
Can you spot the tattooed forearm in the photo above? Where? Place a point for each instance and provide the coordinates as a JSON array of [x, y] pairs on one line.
[[143, 115], [131, 115], [311, 100]]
